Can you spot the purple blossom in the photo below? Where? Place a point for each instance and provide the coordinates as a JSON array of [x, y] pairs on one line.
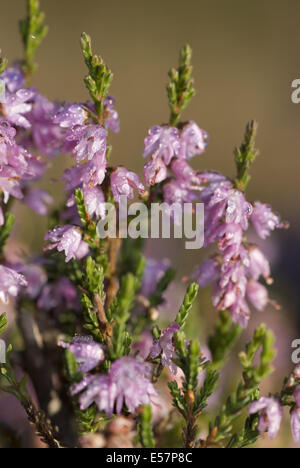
[[295, 416], [206, 273], [88, 141], [7, 140], [97, 389], [162, 142], [155, 172], [144, 345], [257, 295], [271, 415], [13, 79], [93, 172], [68, 239], [259, 265], [177, 191], [47, 137], [227, 215], [124, 182], [226, 202], [10, 283], [193, 141], [10, 183], [35, 277], [295, 424], [59, 296], [38, 200], [133, 385], [87, 352], [154, 272], [70, 116], [127, 383], [264, 220], [165, 347], [17, 105], [94, 201], [112, 122], [184, 172]]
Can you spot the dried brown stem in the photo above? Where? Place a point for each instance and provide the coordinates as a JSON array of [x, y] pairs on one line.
[[44, 429], [105, 327]]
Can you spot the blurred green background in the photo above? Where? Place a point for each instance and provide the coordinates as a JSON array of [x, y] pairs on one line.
[[246, 55]]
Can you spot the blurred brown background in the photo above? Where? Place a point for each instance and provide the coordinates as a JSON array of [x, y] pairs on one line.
[[246, 55]]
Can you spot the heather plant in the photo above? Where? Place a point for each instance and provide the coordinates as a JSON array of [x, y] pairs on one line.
[[99, 356]]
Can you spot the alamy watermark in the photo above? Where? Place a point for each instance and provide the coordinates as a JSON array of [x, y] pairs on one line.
[[296, 353], [156, 221], [295, 96], [2, 352]]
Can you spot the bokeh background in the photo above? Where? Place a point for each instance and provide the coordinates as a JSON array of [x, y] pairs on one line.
[[246, 55]]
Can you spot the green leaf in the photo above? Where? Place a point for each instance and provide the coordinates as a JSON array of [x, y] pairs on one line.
[[245, 156], [178, 399], [100, 76], [71, 365], [145, 429], [3, 65], [6, 229], [223, 340], [206, 391], [33, 31], [181, 87], [3, 323], [187, 305]]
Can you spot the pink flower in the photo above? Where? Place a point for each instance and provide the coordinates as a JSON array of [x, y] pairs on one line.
[[70, 116], [94, 201], [193, 141], [206, 273], [17, 105], [257, 295], [87, 352], [271, 415], [165, 347], [68, 239], [162, 142], [59, 296], [88, 141], [10, 283], [264, 220], [132, 382], [38, 200], [127, 383], [259, 265], [112, 122], [97, 389], [123, 183], [155, 172], [295, 416]]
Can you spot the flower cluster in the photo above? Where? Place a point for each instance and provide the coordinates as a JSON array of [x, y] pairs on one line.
[[26, 124], [270, 410], [166, 143], [127, 383], [238, 266], [87, 141]]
